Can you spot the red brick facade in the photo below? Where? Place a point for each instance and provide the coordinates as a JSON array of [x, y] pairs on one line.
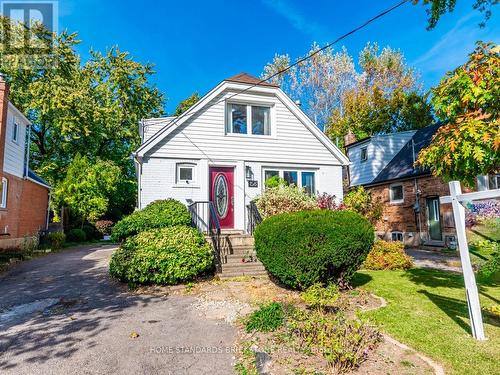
[[401, 217]]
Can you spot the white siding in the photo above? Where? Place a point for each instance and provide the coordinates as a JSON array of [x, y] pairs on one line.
[[203, 136], [152, 126], [381, 150], [15, 151]]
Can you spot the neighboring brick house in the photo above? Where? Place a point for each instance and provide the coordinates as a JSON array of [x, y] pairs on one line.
[[24, 196], [385, 166]]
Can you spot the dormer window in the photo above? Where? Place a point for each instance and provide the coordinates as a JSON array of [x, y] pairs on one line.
[[248, 119], [15, 131], [364, 154]]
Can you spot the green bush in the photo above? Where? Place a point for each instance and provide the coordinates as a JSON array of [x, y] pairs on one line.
[[281, 199], [159, 214], [267, 318], [319, 296], [320, 246], [54, 240], [388, 256], [76, 235], [162, 256]]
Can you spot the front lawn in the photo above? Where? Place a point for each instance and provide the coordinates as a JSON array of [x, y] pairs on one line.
[[427, 310]]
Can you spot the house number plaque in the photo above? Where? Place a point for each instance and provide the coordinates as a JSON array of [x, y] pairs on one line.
[[253, 183]]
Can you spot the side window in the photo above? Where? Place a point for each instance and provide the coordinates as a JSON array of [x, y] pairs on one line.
[[5, 188], [15, 131], [364, 154], [396, 193]]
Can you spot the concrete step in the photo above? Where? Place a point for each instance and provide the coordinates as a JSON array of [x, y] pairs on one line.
[[242, 266], [236, 258], [242, 273], [237, 240]]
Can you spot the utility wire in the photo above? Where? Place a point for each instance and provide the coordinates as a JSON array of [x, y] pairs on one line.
[[299, 61]]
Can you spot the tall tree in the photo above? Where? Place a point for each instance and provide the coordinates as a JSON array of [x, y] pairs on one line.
[[187, 103], [437, 8], [90, 108], [468, 101]]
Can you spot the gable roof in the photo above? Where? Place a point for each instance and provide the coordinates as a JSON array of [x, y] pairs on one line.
[[402, 165], [266, 88], [36, 178], [248, 79]]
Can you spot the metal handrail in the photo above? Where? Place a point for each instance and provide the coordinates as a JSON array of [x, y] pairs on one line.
[[254, 217]]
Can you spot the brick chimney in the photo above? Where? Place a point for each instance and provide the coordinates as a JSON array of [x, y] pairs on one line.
[[4, 105], [349, 138]]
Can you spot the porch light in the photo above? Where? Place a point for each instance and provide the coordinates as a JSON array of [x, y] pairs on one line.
[[248, 172]]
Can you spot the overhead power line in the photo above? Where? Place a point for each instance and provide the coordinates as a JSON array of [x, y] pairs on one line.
[[299, 61]]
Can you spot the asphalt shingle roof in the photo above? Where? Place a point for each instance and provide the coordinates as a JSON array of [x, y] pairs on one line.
[[36, 177], [247, 78], [402, 166]]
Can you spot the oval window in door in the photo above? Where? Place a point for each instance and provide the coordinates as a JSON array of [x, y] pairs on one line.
[[221, 196]]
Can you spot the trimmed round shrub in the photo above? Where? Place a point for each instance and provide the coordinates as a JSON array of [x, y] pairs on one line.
[[162, 256], [159, 214], [388, 256], [308, 247], [76, 235]]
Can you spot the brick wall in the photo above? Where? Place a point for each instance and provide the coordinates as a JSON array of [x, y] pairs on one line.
[[402, 217], [26, 211]]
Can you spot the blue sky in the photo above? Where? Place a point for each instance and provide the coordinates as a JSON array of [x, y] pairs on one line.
[[196, 44]]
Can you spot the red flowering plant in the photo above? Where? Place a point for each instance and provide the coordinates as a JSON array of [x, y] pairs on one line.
[[104, 226], [329, 202]]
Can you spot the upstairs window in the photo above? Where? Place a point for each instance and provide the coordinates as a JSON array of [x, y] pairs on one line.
[[364, 154], [15, 131], [396, 193], [248, 119]]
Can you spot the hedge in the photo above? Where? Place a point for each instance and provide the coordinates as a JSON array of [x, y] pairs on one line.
[[388, 256], [162, 256], [319, 246], [159, 214]]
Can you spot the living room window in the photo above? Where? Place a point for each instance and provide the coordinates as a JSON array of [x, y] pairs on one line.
[[303, 179], [396, 193], [5, 187], [248, 119]]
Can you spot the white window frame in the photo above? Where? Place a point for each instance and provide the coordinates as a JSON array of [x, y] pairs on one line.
[[15, 131], [396, 201], [397, 232], [365, 151], [229, 119], [5, 188], [178, 167], [281, 173]]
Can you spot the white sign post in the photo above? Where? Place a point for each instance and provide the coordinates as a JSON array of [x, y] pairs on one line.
[[457, 199]]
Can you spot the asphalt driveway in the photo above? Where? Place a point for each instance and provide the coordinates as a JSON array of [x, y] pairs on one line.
[[62, 314]]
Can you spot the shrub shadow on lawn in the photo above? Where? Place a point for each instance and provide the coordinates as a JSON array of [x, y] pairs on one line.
[[360, 279]]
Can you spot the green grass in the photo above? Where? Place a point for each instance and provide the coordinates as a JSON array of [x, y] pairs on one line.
[[427, 310]]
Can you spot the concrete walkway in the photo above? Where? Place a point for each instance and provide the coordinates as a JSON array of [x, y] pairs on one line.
[[434, 259], [62, 314]]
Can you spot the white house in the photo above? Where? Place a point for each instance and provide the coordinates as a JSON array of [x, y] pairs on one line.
[[225, 146]]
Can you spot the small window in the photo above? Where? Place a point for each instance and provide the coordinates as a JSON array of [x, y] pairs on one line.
[[260, 120], [308, 183], [396, 193], [5, 187], [364, 154], [397, 236], [185, 173], [15, 131], [291, 177], [494, 181]]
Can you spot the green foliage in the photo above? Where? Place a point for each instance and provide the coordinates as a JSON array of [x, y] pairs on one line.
[[274, 182], [438, 8], [468, 100], [159, 214], [53, 240], [91, 232], [319, 296], [343, 343], [90, 108], [388, 256], [162, 256], [280, 199], [267, 318], [76, 235], [489, 269], [186, 104], [319, 246], [359, 200], [87, 187]]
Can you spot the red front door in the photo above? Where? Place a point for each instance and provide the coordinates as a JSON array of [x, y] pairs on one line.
[[222, 195]]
